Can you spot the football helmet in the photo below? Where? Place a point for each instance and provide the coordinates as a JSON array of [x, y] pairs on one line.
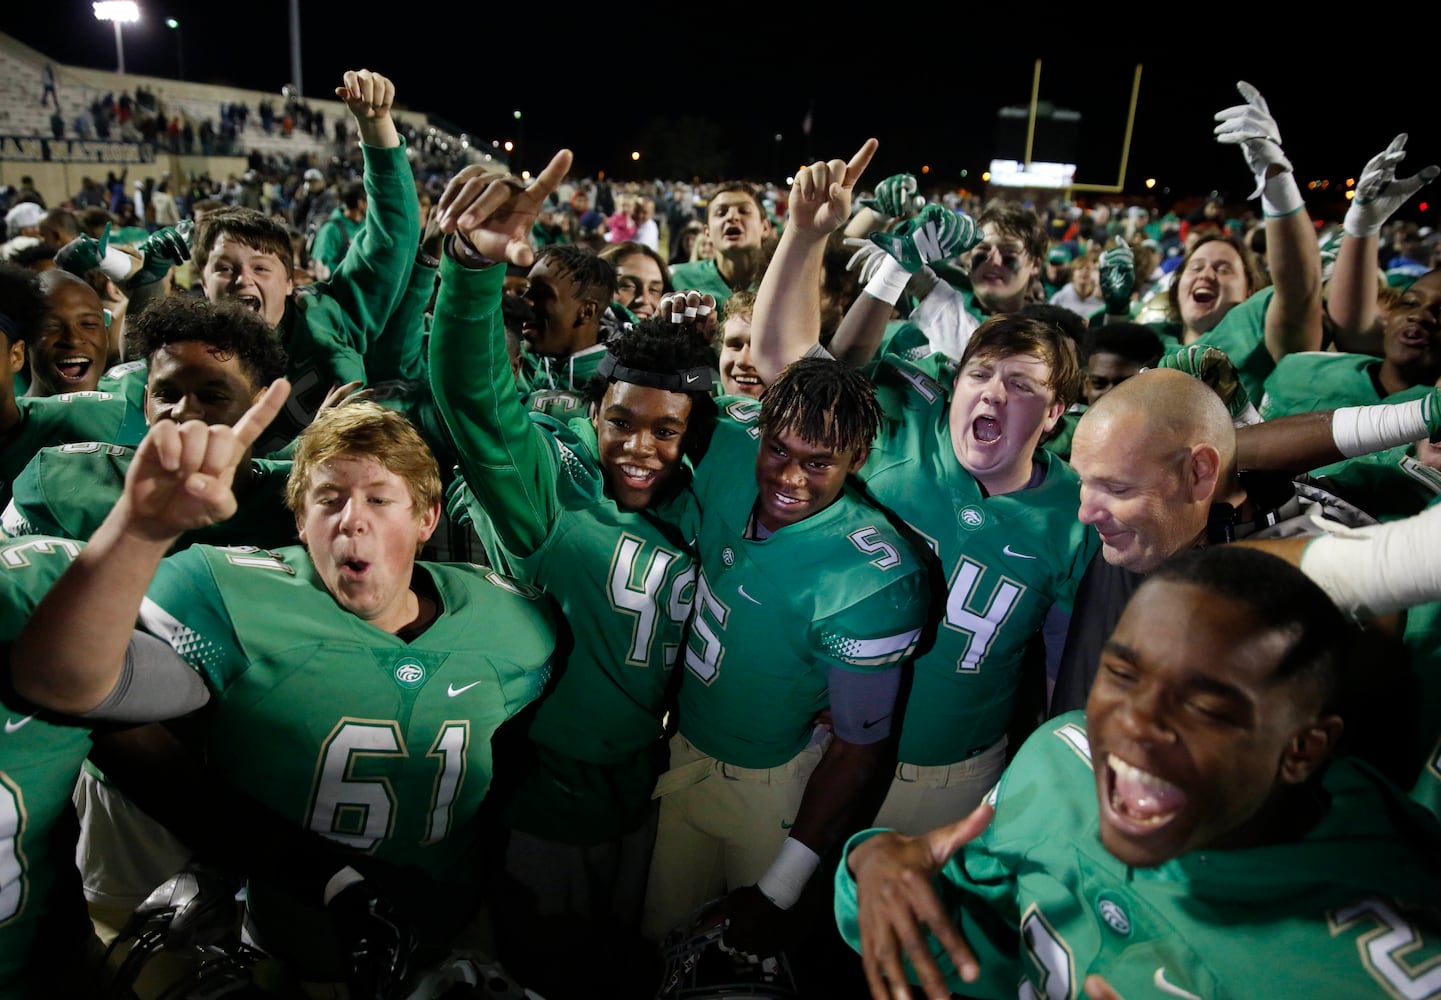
[[699, 966]]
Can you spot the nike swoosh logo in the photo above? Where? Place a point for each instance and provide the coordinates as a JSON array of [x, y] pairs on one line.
[[872, 722], [785, 825], [742, 591], [1160, 980], [1018, 555], [12, 726], [691, 378], [452, 690]]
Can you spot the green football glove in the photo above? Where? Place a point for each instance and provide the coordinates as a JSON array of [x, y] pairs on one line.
[[1212, 366], [936, 234], [1118, 277], [162, 250], [895, 197], [457, 501], [83, 253]]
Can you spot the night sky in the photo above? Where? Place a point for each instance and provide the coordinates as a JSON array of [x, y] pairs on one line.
[[618, 77]]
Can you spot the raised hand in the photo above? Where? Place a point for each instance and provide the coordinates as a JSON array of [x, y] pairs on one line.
[[1118, 277], [161, 250], [1212, 366], [181, 476], [867, 259], [369, 97], [896, 197], [937, 233], [691, 306], [494, 212], [820, 200], [893, 876], [1251, 126], [1380, 192]]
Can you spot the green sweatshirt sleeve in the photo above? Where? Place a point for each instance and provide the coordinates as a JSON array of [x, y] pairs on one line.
[[368, 283], [507, 461], [399, 351]]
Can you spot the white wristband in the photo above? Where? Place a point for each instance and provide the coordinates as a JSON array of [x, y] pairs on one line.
[[1248, 417], [1281, 196], [788, 874], [1357, 225], [339, 882], [1361, 430], [1379, 569], [117, 264], [889, 281]]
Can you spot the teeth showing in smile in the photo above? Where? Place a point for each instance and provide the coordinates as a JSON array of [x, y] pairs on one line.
[[637, 473], [73, 367], [746, 380], [1140, 796], [788, 501]]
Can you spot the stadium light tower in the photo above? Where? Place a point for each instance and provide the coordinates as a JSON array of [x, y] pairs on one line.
[[117, 12], [174, 26]]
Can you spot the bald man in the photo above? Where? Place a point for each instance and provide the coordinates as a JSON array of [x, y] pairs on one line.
[[1157, 462]]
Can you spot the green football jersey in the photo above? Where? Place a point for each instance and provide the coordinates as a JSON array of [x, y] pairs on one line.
[[1385, 484], [1321, 380], [71, 416], [556, 387], [1241, 334], [1007, 559], [67, 491], [703, 276], [771, 617], [623, 579], [42, 909], [380, 745], [1350, 910]]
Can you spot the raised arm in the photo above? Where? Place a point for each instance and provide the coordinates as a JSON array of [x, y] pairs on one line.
[[368, 282], [786, 322], [72, 651], [504, 457], [1293, 321], [1351, 293]]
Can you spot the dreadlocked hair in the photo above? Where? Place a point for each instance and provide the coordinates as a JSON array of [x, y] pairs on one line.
[[826, 402]]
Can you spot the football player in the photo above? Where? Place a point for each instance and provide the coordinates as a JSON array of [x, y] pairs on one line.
[[352, 690], [1195, 834]]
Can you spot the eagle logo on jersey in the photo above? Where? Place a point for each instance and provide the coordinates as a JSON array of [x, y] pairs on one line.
[[971, 516], [409, 673], [1113, 915]]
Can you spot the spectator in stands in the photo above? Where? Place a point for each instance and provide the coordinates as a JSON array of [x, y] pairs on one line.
[[333, 236]]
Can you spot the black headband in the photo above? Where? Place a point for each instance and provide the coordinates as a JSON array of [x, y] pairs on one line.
[[685, 380], [9, 327]]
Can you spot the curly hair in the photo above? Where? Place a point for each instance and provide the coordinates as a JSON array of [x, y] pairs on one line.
[[228, 329]]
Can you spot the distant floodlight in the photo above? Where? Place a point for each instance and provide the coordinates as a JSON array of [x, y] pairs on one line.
[[127, 11], [117, 12]]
